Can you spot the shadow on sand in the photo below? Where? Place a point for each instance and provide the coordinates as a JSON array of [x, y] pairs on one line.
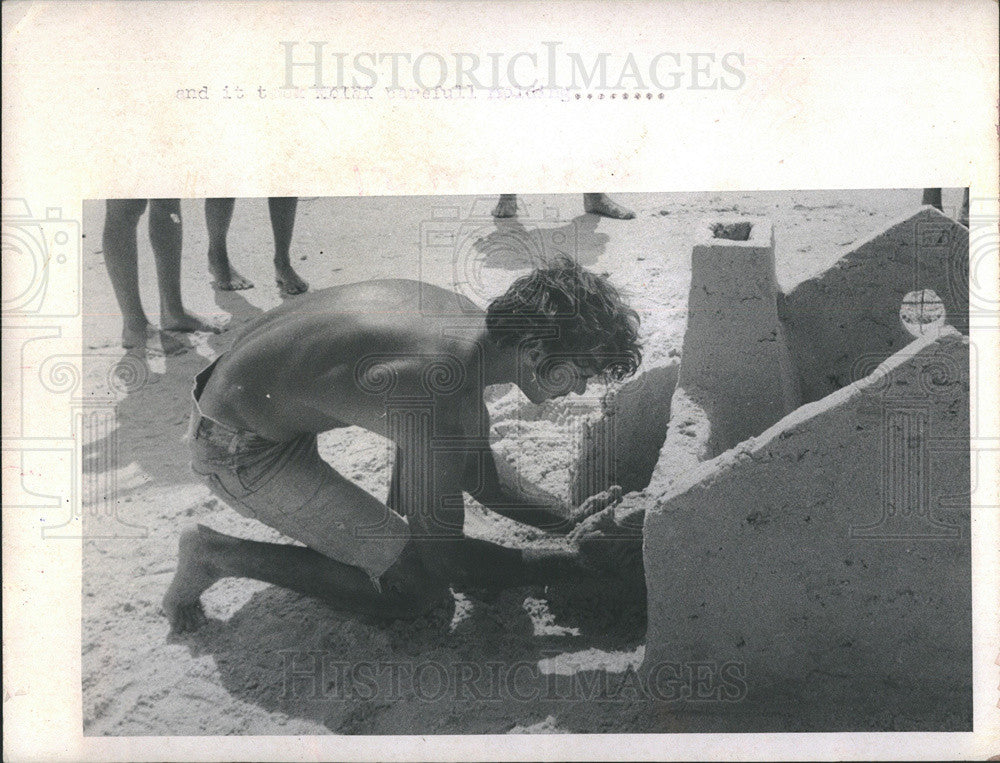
[[470, 667], [154, 403], [514, 246]]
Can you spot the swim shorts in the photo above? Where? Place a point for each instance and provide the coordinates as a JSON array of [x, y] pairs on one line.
[[288, 486]]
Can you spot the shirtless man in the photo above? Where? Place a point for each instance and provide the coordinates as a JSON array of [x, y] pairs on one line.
[[408, 361], [593, 203]]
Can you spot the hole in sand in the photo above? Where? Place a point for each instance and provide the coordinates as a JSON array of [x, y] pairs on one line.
[[732, 231], [922, 312]]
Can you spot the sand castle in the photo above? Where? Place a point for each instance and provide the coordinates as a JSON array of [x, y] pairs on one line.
[[807, 507], [808, 515]]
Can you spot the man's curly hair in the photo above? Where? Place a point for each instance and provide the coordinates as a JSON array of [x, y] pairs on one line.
[[576, 314]]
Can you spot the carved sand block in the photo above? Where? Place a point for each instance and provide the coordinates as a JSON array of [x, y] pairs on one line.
[[829, 556], [845, 321], [736, 375]]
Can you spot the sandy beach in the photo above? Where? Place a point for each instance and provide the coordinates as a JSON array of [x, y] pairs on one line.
[[545, 660]]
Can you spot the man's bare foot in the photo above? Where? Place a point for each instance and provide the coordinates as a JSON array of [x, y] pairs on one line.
[[607, 547], [136, 335], [150, 340], [170, 344], [195, 573], [600, 204], [187, 323], [506, 206], [289, 281], [227, 279]]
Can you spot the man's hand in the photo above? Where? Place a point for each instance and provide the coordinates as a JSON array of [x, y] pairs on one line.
[[607, 547], [599, 502]]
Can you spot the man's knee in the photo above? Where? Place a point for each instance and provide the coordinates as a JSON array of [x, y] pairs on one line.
[[164, 208], [165, 205], [124, 211]]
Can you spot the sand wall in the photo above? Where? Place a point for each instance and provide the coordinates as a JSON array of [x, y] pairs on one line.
[[845, 321], [623, 446], [830, 556]]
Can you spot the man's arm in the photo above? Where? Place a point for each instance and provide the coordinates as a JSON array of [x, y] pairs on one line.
[[476, 562], [482, 481], [436, 519]]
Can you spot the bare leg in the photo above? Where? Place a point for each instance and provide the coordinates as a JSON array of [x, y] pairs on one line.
[[282, 209], [121, 258], [932, 197], [218, 214], [506, 206], [206, 556], [165, 236], [600, 204]]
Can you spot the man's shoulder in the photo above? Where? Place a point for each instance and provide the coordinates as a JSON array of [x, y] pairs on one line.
[[396, 297]]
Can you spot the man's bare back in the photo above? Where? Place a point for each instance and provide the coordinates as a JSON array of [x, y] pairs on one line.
[[409, 361], [312, 364]]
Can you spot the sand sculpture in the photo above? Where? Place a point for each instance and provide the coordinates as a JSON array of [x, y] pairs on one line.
[[825, 548], [806, 509]]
